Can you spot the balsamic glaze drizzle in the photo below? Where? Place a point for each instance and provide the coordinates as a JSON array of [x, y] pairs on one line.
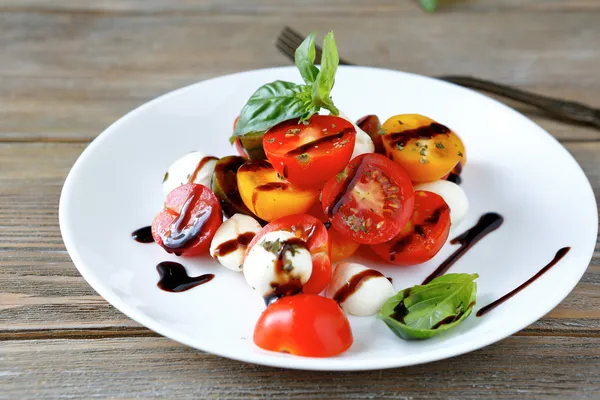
[[487, 223], [143, 235], [174, 278], [559, 255]]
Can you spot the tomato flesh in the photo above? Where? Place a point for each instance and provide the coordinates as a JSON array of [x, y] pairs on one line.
[[370, 201], [309, 153], [314, 233], [423, 236], [191, 216], [304, 325], [427, 150]]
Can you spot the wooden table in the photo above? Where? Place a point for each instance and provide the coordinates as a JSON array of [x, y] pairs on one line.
[[69, 68]]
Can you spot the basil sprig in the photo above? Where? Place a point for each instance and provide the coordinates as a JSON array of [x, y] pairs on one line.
[[423, 311], [279, 101]]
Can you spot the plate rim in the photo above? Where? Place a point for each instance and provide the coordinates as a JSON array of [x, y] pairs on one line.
[[272, 360]]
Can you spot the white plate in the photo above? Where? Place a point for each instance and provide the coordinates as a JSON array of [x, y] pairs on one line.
[[514, 168]]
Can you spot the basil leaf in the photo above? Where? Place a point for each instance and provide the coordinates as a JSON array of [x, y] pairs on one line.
[[321, 95], [271, 104], [429, 5], [423, 311], [304, 58]]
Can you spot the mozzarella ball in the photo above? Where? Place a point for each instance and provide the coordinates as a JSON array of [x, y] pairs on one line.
[[359, 290], [363, 143], [452, 194], [265, 274], [182, 171], [229, 244]]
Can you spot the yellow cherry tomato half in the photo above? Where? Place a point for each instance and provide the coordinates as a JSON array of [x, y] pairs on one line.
[[268, 195], [426, 149]]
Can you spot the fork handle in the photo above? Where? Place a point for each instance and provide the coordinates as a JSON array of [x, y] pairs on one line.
[[566, 110], [561, 109]]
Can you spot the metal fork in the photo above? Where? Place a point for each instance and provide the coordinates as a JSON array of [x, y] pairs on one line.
[[567, 111]]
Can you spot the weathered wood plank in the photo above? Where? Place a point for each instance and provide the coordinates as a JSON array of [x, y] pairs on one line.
[[516, 368], [336, 7], [44, 296], [78, 109]]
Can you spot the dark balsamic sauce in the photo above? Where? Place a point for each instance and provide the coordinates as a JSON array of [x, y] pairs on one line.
[[292, 285], [174, 278], [143, 235], [353, 284], [559, 255], [179, 234], [319, 142], [423, 132], [242, 241], [201, 164], [487, 223]]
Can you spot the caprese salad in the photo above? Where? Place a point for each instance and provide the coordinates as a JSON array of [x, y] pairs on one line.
[[307, 188]]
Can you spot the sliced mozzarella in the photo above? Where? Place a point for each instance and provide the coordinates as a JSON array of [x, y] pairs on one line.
[[452, 194], [363, 143], [260, 264], [229, 243], [359, 290], [182, 171]]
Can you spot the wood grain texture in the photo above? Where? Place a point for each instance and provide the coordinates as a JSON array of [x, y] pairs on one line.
[[156, 367], [43, 296], [69, 68]]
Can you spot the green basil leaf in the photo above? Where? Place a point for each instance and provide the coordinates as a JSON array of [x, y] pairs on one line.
[[305, 59], [321, 95], [429, 5], [423, 311], [271, 104]]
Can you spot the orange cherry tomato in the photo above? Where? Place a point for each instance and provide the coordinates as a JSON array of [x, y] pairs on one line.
[[421, 238], [268, 195], [308, 154], [370, 201], [304, 325], [187, 224], [313, 232], [425, 149], [341, 246]]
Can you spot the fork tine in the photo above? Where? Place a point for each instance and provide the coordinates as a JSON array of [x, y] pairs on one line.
[[289, 40], [285, 49]]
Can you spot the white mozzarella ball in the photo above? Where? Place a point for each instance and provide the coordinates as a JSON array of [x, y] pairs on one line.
[[229, 244], [363, 143], [359, 290], [452, 194], [184, 171], [261, 268]]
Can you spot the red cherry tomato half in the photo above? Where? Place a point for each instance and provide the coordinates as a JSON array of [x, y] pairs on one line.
[[309, 153], [314, 233], [370, 200], [187, 224], [304, 325], [423, 236]]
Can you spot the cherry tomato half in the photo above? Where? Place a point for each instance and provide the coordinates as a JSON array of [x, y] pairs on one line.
[[309, 153], [421, 238], [304, 325], [187, 224], [313, 232], [425, 149], [370, 201], [372, 126], [342, 247], [268, 195]]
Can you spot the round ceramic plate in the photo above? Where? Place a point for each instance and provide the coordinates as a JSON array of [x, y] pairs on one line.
[[514, 168]]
